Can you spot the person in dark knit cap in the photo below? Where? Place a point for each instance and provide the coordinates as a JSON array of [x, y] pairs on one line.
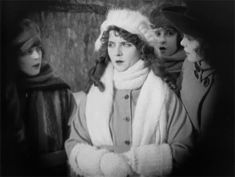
[[38, 109], [168, 43]]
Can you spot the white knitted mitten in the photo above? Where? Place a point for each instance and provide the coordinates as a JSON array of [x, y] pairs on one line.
[[149, 160], [114, 165], [85, 160]]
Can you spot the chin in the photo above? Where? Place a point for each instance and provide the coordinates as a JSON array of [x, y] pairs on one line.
[[192, 58], [34, 73], [120, 70]]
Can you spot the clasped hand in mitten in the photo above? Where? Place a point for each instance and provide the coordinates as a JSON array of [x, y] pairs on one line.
[[114, 165]]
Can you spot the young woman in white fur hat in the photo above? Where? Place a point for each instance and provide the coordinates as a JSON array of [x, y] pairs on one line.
[[129, 123]]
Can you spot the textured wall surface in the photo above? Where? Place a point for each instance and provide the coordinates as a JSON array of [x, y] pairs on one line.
[[68, 39]]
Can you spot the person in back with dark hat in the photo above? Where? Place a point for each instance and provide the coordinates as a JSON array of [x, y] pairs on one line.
[[199, 75], [204, 88], [38, 108], [199, 42], [168, 43]]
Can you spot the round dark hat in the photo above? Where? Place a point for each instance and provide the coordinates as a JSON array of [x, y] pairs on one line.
[[158, 19], [208, 19], [184, 21], [28, 34]]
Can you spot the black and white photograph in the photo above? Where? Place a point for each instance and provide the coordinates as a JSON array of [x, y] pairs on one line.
[[117, 88]]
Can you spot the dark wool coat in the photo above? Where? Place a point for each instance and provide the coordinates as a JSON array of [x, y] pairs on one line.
[[38, 111]]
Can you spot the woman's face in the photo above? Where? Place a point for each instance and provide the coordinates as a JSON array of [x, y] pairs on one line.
[[122, 53], [166, 41], [30, 61], [191, 47]]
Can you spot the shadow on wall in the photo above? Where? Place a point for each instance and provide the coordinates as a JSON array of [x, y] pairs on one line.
[[69, 30]]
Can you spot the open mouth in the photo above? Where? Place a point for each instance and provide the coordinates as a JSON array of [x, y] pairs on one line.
[[36, 66], [162, 48]]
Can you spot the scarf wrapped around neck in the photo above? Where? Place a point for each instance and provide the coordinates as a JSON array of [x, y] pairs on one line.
[[132, 78], [173, 63], [44, 80], [150, 112]]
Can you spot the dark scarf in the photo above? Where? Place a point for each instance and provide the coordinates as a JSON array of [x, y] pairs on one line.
[[173, 63], [43, 107], [44, 80], [38, 110], [173, 67]]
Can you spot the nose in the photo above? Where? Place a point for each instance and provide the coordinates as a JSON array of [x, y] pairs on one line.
[[36, 54], [183, 42], [162, 38], [119, 50]]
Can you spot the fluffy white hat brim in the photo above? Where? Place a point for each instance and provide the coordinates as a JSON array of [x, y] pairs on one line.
[[129, 20]]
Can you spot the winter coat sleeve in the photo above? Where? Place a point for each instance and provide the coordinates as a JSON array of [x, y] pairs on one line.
[[180, 132], [84, 158], [78, 127], [159, 160]]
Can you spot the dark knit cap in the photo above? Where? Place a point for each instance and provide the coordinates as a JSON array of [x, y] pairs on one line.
[[27, 36], [185, 21], [207, 19], [158, 19]]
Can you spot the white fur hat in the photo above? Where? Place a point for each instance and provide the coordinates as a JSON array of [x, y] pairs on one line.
[[129, 20]]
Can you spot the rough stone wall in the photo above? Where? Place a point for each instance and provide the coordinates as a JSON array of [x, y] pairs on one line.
[[68, 39]]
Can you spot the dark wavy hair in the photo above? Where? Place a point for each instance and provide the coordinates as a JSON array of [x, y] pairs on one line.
[[146, 52], [205, 50]]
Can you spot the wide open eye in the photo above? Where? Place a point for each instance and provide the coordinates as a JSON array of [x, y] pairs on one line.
[[127, 44], [27, 52], [170, 32], [111, 44], [33, 49], [36, 47], [158, 32]]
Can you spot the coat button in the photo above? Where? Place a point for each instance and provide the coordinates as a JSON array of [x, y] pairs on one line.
[[126, 97], [127, 142], [127, 119]]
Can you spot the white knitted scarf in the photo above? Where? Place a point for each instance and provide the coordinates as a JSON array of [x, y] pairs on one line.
[[132, 78], [150, 115]]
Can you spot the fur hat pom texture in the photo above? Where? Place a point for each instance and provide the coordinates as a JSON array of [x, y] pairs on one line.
[[129, 20]]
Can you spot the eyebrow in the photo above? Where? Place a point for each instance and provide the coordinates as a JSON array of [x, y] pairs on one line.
[[123, 40], [165, 29]]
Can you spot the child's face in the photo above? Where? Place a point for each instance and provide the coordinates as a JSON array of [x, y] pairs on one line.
[[30, 61], [166, 41], [191, 46], [122, 53]]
